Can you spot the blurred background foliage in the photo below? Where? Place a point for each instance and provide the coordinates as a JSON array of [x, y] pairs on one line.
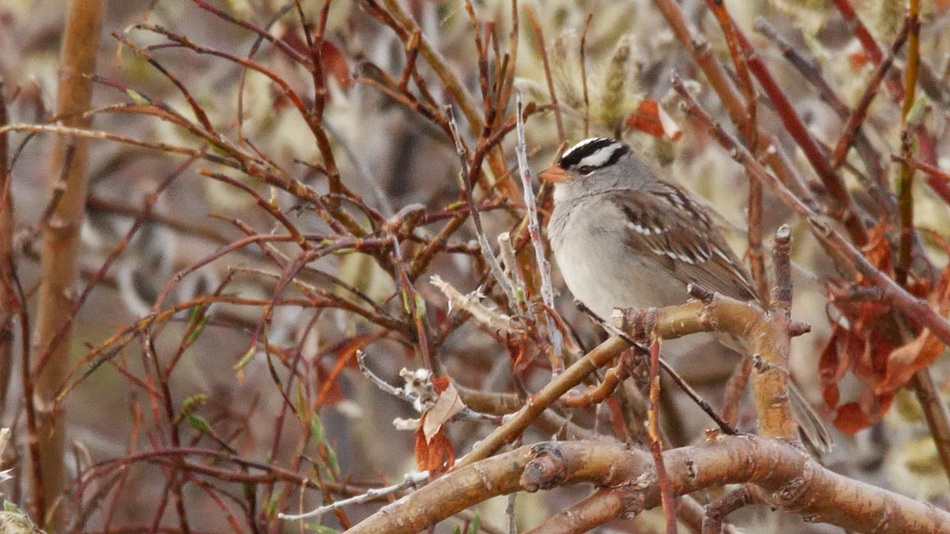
[[261, 360]]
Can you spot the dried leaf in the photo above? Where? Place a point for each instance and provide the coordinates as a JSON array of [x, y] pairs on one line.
[[850, 418], [445, 408], [832, 366], [857, 60], [864, 412], [905, 361], [646, 118], [330, 390], [878, 250], [518, 351], [345, 351], [435, 455], [335, 63], [670, 128]]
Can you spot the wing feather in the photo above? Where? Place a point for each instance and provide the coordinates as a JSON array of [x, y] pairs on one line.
[[686, 243]]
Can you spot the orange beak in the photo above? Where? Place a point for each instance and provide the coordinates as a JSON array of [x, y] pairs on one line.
[[554, 174]]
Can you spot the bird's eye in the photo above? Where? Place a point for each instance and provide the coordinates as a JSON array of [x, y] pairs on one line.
[[585, 170]]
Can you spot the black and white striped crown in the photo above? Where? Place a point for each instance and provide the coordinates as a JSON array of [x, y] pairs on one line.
[[593, 153]]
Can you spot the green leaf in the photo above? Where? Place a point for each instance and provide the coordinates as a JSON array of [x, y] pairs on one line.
[[11, 507], [320, 438], [420, 306], [192, 401], [916, 112], [246, 359], [196, 324], [270, 506], [137, 97], [475, 524], [218, 149], [199, 423]]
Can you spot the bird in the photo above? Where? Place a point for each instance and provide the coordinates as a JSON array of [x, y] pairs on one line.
[[624, 238]]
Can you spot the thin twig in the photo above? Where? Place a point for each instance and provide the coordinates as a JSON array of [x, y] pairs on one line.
[[411, 481], [811, 70], [9, 304], [868, 43], [843, 250], [844, 209], [717, 510], [542, 47], [534, 232], [750, 131], [656, 448], [723, 425], [466, 184], [858, 114], [936, 412]]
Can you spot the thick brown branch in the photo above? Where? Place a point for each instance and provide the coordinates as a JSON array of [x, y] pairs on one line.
[[790, 481], [61, 245]]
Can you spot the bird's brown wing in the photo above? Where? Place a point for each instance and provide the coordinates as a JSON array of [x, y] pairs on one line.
[[686, 243]]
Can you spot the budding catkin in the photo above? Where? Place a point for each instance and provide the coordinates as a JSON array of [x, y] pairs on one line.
[[614, 87]]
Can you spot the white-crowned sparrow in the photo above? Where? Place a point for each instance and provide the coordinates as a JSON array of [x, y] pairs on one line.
[[624, 238]]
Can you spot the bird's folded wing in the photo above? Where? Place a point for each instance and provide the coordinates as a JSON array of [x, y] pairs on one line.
[[666, 226]]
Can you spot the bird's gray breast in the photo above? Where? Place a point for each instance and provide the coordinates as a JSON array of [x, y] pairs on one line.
[[588, 240]]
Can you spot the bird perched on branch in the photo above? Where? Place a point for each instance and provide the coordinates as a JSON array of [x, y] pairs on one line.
[[623, 238]]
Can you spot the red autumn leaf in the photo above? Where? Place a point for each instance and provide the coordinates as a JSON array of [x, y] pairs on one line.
[[345, 350], [904, 361], [867, 348], [864, 412], [878, 250], [517, 351], [433, 450], [830, 393], [863, 351], [293, 39], [941, 296], [832, 365], [857, 60], [335, 63], [651, 118], [435, 455], [860, 344], [870, 362], [919, 288], [440, 384], [850, 418], [330, 391]]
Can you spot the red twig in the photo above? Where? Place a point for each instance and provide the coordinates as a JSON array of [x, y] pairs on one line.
[[844, 206], [858, 114], [843, 250], [656, 447], [539, 35], [868, 42]]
